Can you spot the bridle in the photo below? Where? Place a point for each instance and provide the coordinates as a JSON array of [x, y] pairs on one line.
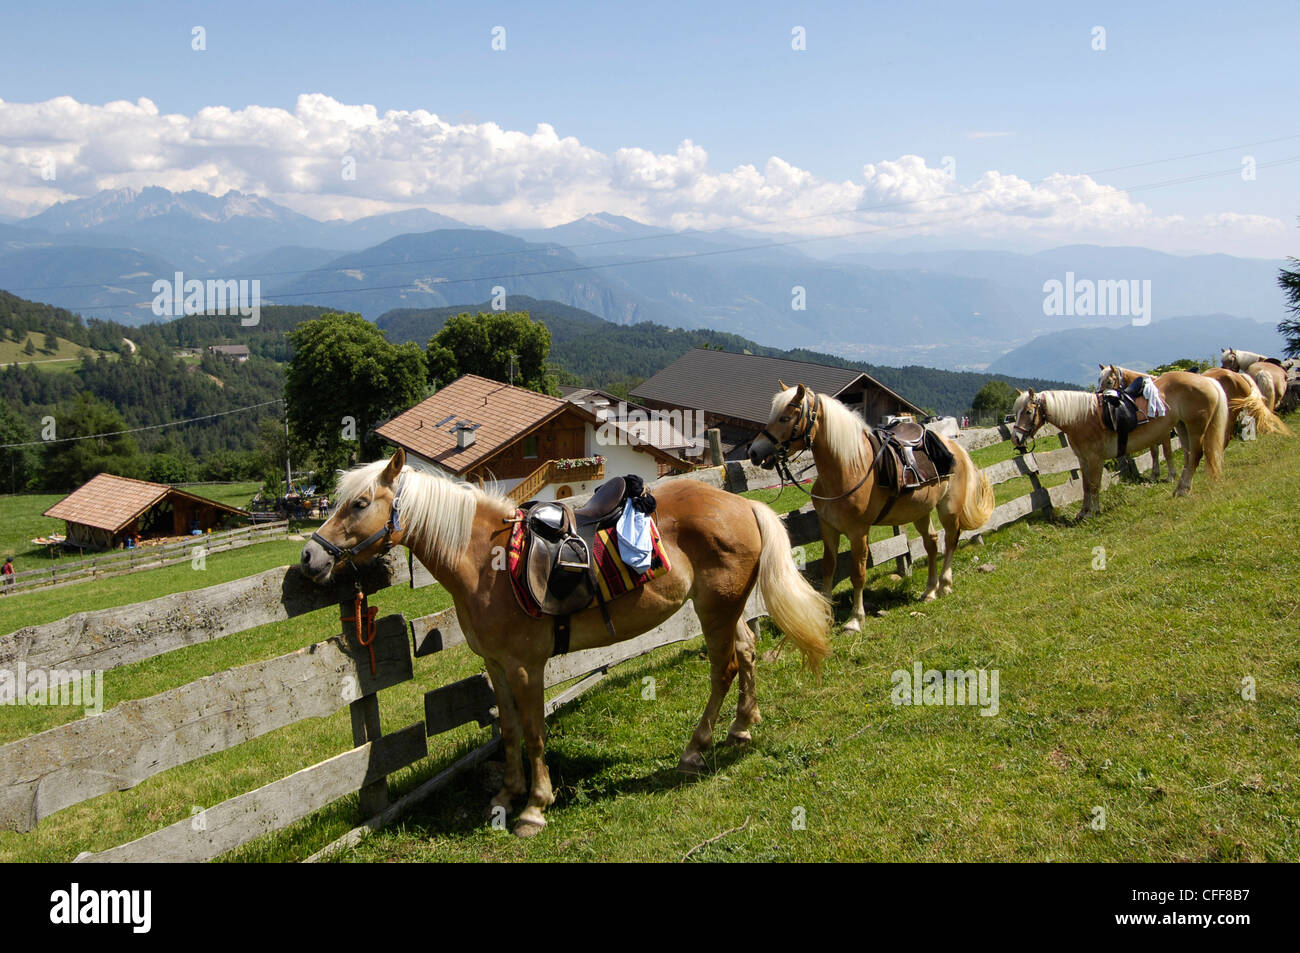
[[394, 525], [1038, 406], [808, 418]]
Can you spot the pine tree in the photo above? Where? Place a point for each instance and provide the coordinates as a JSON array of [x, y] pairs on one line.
[[1289, 281], [30, 349]]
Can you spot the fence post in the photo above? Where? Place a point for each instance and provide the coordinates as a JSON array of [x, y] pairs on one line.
[[904, 562], [365, 720], [715, 446]]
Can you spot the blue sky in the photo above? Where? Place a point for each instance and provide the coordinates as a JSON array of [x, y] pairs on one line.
[[1011, 87]]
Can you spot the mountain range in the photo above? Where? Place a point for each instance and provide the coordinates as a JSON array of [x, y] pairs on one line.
[[954, 309]]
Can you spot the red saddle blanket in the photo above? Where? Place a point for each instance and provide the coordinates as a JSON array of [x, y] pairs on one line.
[[613, 575]]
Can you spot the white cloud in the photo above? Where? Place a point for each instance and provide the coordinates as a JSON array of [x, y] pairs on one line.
[[484, 174]]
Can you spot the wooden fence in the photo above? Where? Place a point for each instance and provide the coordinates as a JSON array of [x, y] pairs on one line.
[[120, 561], [48, 772]]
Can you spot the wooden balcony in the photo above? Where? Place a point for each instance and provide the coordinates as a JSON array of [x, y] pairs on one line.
[[553, 472]]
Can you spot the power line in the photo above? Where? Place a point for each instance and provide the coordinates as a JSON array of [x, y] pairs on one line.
[[879, 207], [118, 433]]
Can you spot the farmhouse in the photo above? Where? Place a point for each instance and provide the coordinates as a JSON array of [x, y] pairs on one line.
[[108, 509], [733, 392], [237, 351], [532, 445], [665, 432]]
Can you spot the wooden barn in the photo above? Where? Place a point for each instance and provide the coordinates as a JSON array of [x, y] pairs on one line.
[[733, 392], [108, 509]]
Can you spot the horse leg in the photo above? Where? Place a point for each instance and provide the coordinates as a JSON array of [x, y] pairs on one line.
[[951, 535], [511, 738], [747, 713], [1092, 471], [930, 540], [859, 550], [830, 554], [720, 638], [1191, 457], [1169, 460], [527, 686]]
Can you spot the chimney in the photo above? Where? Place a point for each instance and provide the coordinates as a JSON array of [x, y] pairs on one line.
[[464, 432]]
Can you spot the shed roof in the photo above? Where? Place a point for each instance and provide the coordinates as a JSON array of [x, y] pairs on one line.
[[111, 502]]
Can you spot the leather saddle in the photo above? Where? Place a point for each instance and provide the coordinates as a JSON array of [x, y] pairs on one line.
[[559, 571], [1123, 413], [910, 456]]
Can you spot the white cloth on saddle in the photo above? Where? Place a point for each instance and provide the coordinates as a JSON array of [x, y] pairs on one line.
[[635, 544], [1155, 404]]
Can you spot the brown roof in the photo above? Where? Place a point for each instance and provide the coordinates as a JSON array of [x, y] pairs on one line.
[[112, 502], [503, 414], [742, 385]]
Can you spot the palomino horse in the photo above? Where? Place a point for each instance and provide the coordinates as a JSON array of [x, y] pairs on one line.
[[1271, 377], [719, 546], [1244, 397], [1198, 410], [849, 501], [1156, 449]]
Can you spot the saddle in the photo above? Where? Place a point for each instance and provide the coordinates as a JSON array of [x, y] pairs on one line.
[[559, 569], [1123, 413], [909, 456]]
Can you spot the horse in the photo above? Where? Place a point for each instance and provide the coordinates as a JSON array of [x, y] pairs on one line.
[[1269, 374], [1244, 397], [1198, 410], [849, 502], [1166, 446], [718, 545]]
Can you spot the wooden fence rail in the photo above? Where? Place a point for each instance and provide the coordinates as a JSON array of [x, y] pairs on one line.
[[118, 562], [63, 766]]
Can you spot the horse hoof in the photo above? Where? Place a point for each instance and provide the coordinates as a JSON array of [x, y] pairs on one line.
[[526, 829], [853, 625], [739, 738], [946, 591], [691, 764], [930, 597]]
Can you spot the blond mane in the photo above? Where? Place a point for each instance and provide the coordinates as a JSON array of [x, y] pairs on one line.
[[434, 507], [840, 429], [1069, 408]]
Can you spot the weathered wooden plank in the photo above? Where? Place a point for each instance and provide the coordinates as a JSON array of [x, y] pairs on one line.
[[802, 526], [435, 632], [418, 573], [1005, 470], [107, 638], [137, 739], [890, 548], [272, 807], [1057, 461], [470, 699]]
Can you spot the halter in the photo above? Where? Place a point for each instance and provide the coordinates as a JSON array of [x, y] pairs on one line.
[[394, 525], [1039, 406]]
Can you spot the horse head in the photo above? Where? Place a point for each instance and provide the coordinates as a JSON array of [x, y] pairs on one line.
[[789, 428], [1228, 359], [1112, 378], [364, 525], [1030, 410]]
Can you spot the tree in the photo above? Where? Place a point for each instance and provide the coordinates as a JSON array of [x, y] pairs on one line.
[[343, 381], [17, 464], [30, 349], [1289, 280], [485, 344], [994, 399], [51, 342], [1182, 364], [71, 462]]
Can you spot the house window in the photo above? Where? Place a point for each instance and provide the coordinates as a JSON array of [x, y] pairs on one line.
[[530, 447]]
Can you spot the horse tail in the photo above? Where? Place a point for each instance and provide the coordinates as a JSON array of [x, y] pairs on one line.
[[1215, 437], [798, 610], [1266, 421], [978, 505]]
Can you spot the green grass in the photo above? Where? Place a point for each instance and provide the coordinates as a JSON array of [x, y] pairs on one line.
[[66, 357], [1120, 689]]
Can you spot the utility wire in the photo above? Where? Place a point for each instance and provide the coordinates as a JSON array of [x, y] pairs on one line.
[[118, 433]]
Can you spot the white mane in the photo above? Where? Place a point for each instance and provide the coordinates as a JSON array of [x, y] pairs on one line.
[[839, 429], [433, 507], [1064, 408]]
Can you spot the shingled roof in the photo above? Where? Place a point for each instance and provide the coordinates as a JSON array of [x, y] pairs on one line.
[[742, 385], [111, 502]]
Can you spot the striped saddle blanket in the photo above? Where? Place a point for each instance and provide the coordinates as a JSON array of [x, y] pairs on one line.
[[613, 576]]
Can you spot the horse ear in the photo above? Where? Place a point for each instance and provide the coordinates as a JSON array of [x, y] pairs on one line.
[[781, 385], [395, 464], [1030, 392], [799, 392], [1101, 366]]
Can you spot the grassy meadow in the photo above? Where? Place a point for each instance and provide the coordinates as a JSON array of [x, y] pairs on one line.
[[1126, 649]]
